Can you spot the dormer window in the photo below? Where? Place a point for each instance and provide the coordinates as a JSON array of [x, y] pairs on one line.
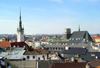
[[72, 43], [72, 38], [14, 46], [28, 57]]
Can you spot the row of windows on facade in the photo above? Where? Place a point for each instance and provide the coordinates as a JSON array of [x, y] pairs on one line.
[[76, 38], [18, 46], [28, 57], [55, 43], [52, 48], [75, 43]]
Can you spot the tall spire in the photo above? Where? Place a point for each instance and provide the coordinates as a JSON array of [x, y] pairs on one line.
[[20, 22], [79, 28]]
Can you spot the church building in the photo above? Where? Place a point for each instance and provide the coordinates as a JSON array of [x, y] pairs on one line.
[[20, 30]]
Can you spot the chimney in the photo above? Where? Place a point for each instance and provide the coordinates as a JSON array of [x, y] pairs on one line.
[[66, 61], [72, 60]]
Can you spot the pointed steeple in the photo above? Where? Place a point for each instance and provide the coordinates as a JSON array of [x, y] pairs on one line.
[[79, 28], [20, 22]]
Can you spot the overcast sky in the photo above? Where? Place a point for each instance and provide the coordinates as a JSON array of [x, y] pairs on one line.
[[50, 16]]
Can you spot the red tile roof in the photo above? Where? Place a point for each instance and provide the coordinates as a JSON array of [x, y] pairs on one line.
[[96, 37], [20, 44], [43, 40], [94, 63], [4, 44], [68, 65]]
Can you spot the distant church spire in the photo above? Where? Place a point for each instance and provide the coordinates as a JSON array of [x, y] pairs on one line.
[[79, 28], [20, 22], [20, 30]]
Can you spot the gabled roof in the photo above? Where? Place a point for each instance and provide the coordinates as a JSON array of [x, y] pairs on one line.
[[68, 65], [20, 44], [74, 51], [78, 34], [81, 35], [4, 44]]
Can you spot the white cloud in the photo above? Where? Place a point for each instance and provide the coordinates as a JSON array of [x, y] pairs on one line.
[[59, 1]]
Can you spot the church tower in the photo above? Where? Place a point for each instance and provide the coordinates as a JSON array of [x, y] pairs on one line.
[[20, 30]]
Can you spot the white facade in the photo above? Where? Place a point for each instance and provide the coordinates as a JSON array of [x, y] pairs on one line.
[[35, 57], [20, 36]]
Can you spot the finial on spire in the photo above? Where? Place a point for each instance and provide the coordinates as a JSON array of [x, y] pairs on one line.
[[79, 28]]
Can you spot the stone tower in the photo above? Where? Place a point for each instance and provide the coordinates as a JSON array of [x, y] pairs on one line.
[[20, 30], [67, 33]]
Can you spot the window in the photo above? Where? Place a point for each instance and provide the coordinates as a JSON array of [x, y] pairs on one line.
[[53, 48], [28, 57], [59, 48], [56, 48], [33, 57], [92, 54], [38, 58]]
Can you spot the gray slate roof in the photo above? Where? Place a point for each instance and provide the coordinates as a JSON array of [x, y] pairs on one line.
[[81, 35], [75, 42], [47, 63], [78, 34], [74, 51]]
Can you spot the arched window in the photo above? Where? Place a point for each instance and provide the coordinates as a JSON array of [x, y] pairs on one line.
[[53, 48], [56, 48], [28, 57], [33, 57], [59, 48]]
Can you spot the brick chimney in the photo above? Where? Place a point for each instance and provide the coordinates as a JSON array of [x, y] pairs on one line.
[[66, 60]]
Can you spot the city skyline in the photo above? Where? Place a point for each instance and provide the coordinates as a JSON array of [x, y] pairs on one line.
[[50, 16]]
